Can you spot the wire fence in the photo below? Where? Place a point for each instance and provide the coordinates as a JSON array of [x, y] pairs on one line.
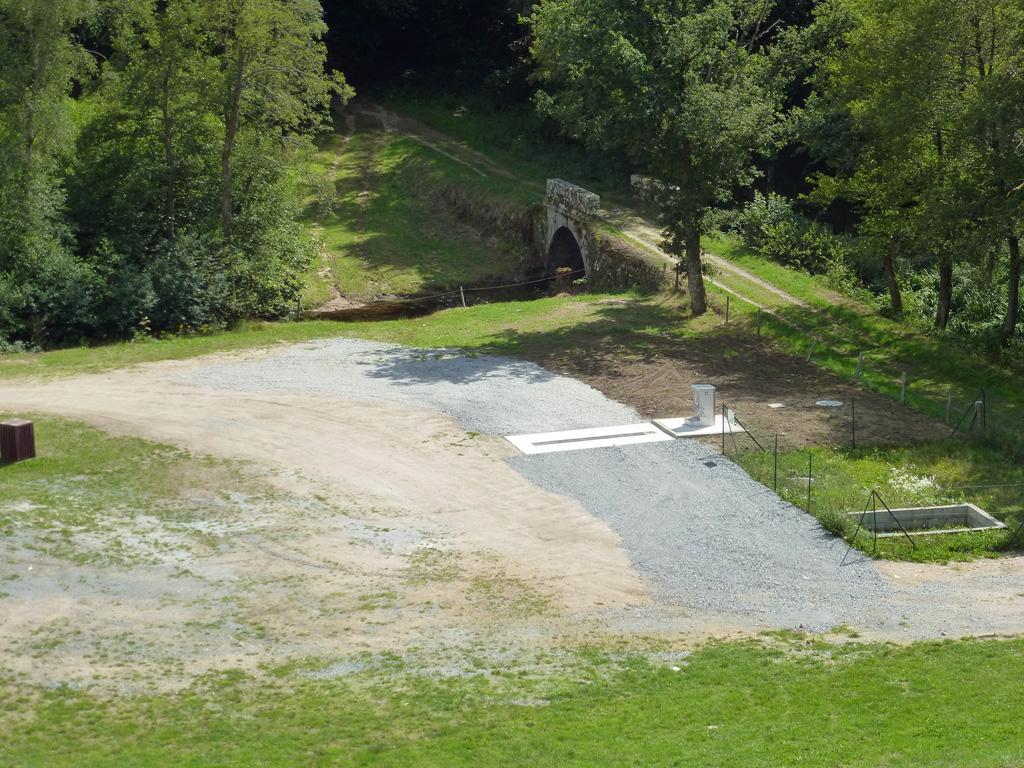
[[830, 482], [963, 407], [560, 277]]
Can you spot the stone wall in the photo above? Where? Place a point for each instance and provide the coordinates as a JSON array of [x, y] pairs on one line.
[[622, 265], [571, 200]]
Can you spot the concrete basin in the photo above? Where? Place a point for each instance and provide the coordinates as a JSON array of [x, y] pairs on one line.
[[920, 521]]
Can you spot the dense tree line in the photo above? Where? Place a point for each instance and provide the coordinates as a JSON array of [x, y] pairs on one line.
[[148, 147], [147, 151], [914, 111]]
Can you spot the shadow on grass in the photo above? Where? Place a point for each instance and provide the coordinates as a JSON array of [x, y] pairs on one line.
[[390, 230]]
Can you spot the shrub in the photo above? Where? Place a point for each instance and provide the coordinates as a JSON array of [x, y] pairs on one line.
[[770, 227]]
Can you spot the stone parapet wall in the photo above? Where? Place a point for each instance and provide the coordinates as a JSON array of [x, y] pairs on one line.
[[570, 200]]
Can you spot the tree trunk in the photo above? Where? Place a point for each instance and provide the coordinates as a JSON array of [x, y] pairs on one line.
[[232, 115], [169, 159], [945, 292], [1013, 299], [694, 273], [895, 295]]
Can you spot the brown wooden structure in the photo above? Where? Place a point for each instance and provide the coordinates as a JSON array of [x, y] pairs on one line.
[[17, 441]]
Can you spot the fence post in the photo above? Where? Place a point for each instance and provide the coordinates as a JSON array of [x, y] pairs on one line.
[[775, 472], [903, 387], [810, 474], [462, 295], [727, 302], [758, 321], [723, 429], [853, 419], [860, 364], [949, 402]]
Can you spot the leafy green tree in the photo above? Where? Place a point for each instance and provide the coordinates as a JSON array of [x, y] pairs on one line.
[[933, 94], [41, 286], [148, 162], [272, 75], [684, 89]]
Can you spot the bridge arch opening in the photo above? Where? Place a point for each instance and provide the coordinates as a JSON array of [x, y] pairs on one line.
[[565, 253]]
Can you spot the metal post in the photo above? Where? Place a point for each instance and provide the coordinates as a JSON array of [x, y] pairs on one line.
[[775, 473], [903, 387], [462, 294], [874, 519], [723, 429], [727, 310], [984, 411], [853, 419], [814, 346], [860, 364], [758, 321], [810, 474]]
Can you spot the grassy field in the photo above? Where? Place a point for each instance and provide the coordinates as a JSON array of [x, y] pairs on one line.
[[927, 474], [374, 203], [784, 702], [83, 498], [503, 327]]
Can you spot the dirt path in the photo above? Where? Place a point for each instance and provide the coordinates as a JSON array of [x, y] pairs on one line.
[[648, 234]]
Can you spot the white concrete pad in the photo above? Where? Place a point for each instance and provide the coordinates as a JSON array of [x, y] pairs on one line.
[[691, 427], [580, 439]]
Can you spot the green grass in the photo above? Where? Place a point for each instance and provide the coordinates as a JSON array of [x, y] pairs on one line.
[[927, 474], [375, 203], [501, 327], [89, 486], [787, 702], [514, 138]]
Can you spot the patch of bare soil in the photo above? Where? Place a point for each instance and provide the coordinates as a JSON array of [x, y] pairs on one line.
[[751, 375]]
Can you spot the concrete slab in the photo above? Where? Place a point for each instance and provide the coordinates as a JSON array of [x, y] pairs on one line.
[[928, 521], [582, 439], [691, 427]]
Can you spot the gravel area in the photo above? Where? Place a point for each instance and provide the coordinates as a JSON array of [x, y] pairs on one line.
[[701, 532]]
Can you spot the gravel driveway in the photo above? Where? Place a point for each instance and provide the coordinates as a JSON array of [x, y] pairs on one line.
[[701, 532]]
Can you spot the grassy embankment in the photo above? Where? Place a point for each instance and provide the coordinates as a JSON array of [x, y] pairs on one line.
[[778, 703], [374, 201], [937, 367], [974, 469]]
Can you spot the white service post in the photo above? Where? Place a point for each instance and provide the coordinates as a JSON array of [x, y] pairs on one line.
[[704, 404]]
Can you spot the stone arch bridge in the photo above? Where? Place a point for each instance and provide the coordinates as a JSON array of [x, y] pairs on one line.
[[566, 235]]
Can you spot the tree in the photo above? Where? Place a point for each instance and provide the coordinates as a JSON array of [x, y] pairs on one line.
[[933, 92], [148, 162], [684, 89], [42, 290], [273, 75]]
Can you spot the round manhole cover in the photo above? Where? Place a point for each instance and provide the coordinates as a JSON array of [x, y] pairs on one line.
[[829, 403]]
